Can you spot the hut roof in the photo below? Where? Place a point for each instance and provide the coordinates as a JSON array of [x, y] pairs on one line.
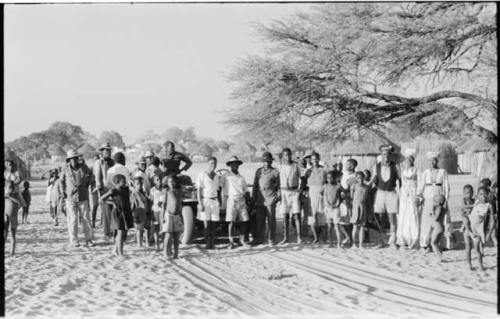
[[56, 150], [366, 145], [475, 145], [86, 149]]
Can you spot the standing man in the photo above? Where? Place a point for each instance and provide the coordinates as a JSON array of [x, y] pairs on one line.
[[387, 179], [266, 187], [289, 172], [172, 160], [236, 211], [75, 182], [208, 193], [101, 167]]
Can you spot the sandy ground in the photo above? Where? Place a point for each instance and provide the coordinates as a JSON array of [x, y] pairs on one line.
[[48, 278]]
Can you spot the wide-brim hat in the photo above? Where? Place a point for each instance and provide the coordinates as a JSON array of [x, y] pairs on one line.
[[149, 154], [105, 146], [72, 154], [386, 148], [267, 157], [234, 159], [142, 160]]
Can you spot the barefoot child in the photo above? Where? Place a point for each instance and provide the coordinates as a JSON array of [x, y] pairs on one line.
[[27, 199], [121, 213], [11, 207], [140, 209], [172, 210], [331, 200], [477, 228], [437, 225], [360, 193], [156, 197]]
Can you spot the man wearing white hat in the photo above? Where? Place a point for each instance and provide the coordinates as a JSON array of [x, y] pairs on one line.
[[387, 179], [101, 167], [75, 182], [434, 181]]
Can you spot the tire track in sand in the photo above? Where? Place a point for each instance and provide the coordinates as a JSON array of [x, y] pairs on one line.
[[457, 296], [391, 292], [289, 302]]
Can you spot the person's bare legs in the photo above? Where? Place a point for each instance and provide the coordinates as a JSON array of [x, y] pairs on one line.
[[361, 237], [176, 244], [338, 232], [296, 218], [347, 237], [330, 234], [468, 249], [393, 227], [477, 247], [355, 229], [230, 233], [435, 237], [313, 230], [167, 246], [118, 247], [13, 243], [156, 236], [243, 226], [286, 219]]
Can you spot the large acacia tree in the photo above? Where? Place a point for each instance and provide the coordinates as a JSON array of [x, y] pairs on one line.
[[340, 69]]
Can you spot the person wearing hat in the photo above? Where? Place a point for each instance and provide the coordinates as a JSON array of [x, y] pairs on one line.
[[141, 171], [235, 188], [408, 221], [387, 179], [265, 190], [290, 177], [434, 181], [101, 167], [172, 160], [75, 182], [208, 193]]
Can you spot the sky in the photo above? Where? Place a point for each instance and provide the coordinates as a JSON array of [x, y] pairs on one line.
[[126, 67]]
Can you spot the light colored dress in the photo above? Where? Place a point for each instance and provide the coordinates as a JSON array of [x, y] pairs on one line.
[[433, 182], [408, 217], [477, 220]]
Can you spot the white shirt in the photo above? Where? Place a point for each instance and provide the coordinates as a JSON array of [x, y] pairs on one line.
[[235, 185], [209, 186], [345, 177], [114, 170]]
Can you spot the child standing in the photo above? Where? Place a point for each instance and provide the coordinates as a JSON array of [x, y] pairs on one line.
[[121, 213], [139, 203], [27, 199], [360, 193], [331, 200], [477, 228], [437, 224], [156, 197], [11, 207], [172, 210]]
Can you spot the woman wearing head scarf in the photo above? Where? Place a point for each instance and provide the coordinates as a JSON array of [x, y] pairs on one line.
[[434, 182], [408, 219]]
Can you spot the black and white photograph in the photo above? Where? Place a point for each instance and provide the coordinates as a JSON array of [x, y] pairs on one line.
[[250, 160]]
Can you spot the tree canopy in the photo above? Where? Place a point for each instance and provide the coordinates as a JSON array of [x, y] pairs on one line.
[[111, 137], [345, 68]]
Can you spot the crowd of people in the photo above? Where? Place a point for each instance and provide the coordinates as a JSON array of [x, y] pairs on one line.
[[340, 203]]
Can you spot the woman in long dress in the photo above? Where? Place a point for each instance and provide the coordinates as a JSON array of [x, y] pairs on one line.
[[408, 217], [434, 181]]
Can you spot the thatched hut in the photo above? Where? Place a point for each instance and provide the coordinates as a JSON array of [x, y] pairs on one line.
[[480, 157], [21, 166], [364, 150], [57, 154], [87, 151], [448, 158], [201, 153]]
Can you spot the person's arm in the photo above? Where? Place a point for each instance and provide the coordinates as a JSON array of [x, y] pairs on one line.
[[446, 186], [255, 186], [491, 223], [13, 198], [351, 190], [373, 181], [421, 183], [98, 176], [106, 196], [398, 178], [63, 187], [278, 185], [199, 183], [187, 162]]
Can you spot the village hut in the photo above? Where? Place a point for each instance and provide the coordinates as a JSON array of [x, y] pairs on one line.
[[448, 158], [201, 153], [21, 166], [480, 157], [364, 150], [57, 154], [87, 151]]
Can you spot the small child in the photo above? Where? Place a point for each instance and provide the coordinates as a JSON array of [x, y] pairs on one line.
[[438, 214], [494, 204], [121, 213], [477, 228], [331, 200], [467, 205], [11, 207], [360, 193], [156, 196], [172, 210], [27, 199], [139, 202]]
